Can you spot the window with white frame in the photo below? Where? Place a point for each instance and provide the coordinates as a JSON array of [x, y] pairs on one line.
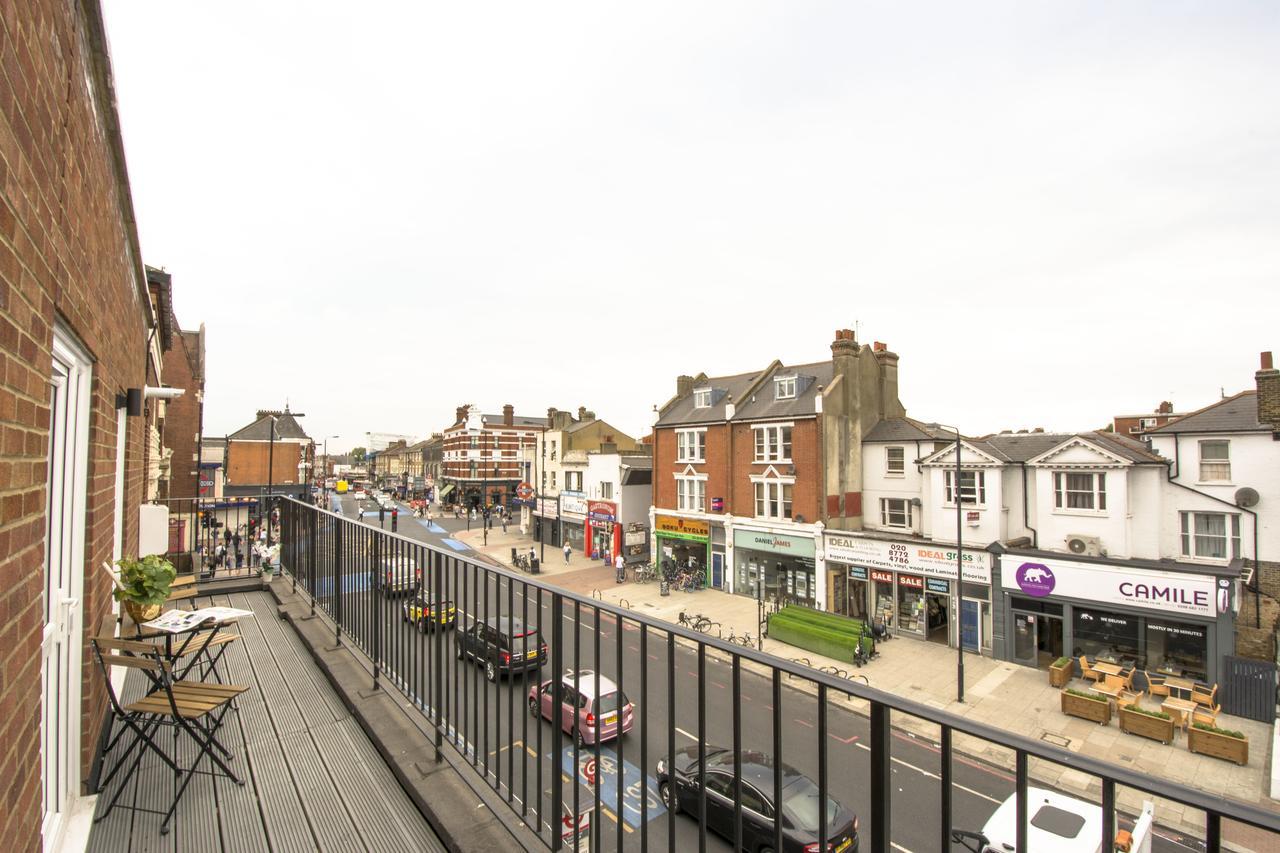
[[573, 481], [1082, 491], [895, 461], [551, 476], [606, 491], [691, 445], [473, 470], [973, 487], [552, 450], [702, 398], [784, 388], [895, 512], [1215, 461], [1210, 535], [773, 443], [691, 494], [773, 499]]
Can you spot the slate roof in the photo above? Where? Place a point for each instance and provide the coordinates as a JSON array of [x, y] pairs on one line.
[[681, 411], [1020, 447], [762, 405], [1234, 414], [908, 429], [260, 430]]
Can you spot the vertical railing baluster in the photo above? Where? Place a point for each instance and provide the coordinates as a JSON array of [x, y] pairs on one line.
[[537, 765], [736, 681], [672, 789], [577, 724], [595, 675], [1020, 795], [622, 764], [822, 767], [513, 702], [881, 778], [335, 600], [777, 758], [1108, 812], [557, 730], [702, 747], [1212, 832], [437, 699], [945, 768], [524, 693], [644, 737]]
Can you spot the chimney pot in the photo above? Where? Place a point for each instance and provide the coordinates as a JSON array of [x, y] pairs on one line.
[[582, 413], [1266, 361], [684, 386], [879, 346], [508, 414]]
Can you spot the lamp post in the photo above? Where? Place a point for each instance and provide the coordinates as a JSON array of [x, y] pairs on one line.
[[957, 495], [326, 468], [542, 534], [271, 473]]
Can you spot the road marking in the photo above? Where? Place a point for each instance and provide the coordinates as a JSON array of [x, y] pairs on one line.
[[686, 734], [846, 741], [805, 723], [897, 846]]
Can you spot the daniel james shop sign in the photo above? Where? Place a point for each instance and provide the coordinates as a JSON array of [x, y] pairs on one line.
[[937, 561], [777, 543], [1167, 592]]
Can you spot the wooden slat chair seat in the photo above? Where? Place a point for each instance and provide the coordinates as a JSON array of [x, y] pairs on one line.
[[1156, 685], [1088, 671], [1206, 716]]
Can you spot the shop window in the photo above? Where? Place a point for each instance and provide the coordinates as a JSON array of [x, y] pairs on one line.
[[702, 398], [773, 499], [773, 443], [1177, 648], [1107, 635], [784, 388], [895, 461], [910, 607], [1085, 492], [895, 512], [1215, 461], [973, 487], [691, 445], [691, 494], [1210, 535]]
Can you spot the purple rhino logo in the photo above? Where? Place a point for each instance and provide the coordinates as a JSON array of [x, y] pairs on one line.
[[1035, 579]]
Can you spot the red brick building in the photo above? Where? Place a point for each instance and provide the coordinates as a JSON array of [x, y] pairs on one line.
[[749, 469], [273, 452], [1134, 426], [481, 462], [184, 416], [75, 321]]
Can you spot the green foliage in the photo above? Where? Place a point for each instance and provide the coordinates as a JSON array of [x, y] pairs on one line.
[[1061, 662], [358, 454], [1092, 697], [821, 639], [145, 581], [1150, 713], [1208, 727]]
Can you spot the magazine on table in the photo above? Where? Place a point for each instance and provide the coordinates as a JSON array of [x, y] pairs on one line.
[[177, 621]]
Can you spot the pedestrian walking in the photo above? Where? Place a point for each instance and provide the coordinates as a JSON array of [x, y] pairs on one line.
[[533, 555], [504, 522], [567, 551], [620, 566]]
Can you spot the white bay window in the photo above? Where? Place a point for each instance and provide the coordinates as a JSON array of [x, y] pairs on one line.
[[773, 443], [691, 494]]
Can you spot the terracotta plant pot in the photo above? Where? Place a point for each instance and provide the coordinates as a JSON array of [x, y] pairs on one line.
[[140, 613]]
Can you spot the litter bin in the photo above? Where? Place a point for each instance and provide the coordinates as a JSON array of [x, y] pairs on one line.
[[534, 564], [513, 556], [664, 588]]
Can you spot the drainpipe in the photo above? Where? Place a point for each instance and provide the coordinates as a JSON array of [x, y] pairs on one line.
[[1257, 587], [1026, 517]]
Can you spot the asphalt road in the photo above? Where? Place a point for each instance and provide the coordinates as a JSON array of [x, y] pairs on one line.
[[515, 752]]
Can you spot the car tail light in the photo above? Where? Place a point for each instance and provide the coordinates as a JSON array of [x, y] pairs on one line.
[[591, 719], [506, 657], [542, 649], [814, 847]]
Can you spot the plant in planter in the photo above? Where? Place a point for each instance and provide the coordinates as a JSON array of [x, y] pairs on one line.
[[1086, 706], [143, 585], [1218, 743], [1156, 725], [1060, 672]]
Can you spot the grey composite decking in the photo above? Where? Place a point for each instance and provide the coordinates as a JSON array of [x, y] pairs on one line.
[[313, 781]]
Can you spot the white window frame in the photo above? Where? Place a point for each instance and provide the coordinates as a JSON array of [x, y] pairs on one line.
[[1224, 463], [887, 512], [702, 398], [769, 443], [606, 491], [691, 493], [1187, 536], [889, 470], [774, 497], [980, 482], [784, 388], [691, 445], [1097, 493]]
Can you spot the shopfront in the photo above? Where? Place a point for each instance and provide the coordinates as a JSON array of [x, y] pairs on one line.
[[912, 586], [682, 542], [604, 534], [774, 564], [1153, 619], [573, 519]]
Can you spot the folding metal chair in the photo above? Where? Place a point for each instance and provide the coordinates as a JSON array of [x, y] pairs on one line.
[[185, 707]]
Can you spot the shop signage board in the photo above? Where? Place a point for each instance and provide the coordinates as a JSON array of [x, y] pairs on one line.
[[602, 510], [683, 528], [1166, 592], [881, 577], [524, 491], [937, 585], [573, 505], [911, 581], [777, 543], [859, 573], [937, 561]]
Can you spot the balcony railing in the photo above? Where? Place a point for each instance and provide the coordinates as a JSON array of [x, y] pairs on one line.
[[719, 716], [214, 538]]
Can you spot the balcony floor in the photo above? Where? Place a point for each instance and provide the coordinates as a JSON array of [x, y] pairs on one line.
[[313, 781]]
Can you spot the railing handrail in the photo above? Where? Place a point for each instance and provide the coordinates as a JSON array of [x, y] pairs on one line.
[[1231, 809]]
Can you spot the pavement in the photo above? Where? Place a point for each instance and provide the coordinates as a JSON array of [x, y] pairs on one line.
[[998, 693]]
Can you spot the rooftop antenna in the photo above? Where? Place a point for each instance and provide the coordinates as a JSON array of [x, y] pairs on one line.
[[856, 327]]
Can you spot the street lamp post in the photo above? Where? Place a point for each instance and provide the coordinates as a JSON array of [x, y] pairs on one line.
[[325, 484], [542, 534], [271, 473], [957, 495]]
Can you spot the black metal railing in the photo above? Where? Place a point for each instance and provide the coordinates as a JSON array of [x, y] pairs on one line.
[[222, 537], [721, 710]]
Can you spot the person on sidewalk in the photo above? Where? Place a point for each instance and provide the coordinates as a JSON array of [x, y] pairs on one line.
[[567, 551], [620, 566]]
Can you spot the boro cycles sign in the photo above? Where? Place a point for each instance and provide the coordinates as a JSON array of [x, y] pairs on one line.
[[1167, 592], [932, 560]]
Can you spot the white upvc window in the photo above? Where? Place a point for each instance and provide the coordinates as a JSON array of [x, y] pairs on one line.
[[702, 398], [973, 487], [895, 512], [1080, 491], [773, 499], [552, 450], [691, 445], [773, 443], [551, 477], [784, 388], [895, 461], [606, 491], [691, 494], [1210, 535], [1215, 461]]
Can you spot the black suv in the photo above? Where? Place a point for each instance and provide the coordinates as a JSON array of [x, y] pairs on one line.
[[678, 787], [505, 645]]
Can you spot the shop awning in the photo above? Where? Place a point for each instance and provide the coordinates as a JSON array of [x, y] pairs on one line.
[[446, 490]]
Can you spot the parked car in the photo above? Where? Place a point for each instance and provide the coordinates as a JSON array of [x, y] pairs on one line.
[[678, 787], [1056, 823], [425, 612], [584, 713], [397, 576], [503, 645]]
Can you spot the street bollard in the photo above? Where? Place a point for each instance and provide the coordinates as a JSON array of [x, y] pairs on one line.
[[395, 518]]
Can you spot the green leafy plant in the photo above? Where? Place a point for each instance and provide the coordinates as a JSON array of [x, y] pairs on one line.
[[1061, 662], [1150, 713], [1093, 697], [1217, 731], [145, 581]]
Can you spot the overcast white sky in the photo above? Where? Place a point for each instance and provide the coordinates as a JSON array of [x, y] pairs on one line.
[[1054, 212]]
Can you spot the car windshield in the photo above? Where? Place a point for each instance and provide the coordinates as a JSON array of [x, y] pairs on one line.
[[608, 703], [524, 640], [800, 806]]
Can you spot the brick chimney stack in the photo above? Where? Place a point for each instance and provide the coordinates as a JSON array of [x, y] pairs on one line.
[[1165, 408], [1268, 379], [461, 415], [509, 414], [582, 413], [684, 386]]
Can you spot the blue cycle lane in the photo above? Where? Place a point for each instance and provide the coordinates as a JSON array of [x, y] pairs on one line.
[[633, 780]]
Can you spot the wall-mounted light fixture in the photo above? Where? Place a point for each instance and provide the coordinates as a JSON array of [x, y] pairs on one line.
[[133, 397]]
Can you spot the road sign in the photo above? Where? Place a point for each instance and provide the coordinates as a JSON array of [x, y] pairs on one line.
[[583, 830], [589, 771], [524, 491]]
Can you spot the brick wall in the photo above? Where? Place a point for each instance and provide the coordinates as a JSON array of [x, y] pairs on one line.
[[806, 458], [182, 416], [251, 463], [65, 252], [665, 466]]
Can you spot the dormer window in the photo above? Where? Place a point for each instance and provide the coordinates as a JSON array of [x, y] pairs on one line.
[[784, 388], [702, 398]]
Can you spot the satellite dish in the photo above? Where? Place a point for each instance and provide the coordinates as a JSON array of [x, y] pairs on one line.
[[1246, 497]]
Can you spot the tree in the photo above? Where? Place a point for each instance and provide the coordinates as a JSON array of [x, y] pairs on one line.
[[357, 454]]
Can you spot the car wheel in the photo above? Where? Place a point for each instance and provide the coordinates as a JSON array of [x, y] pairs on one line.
[[461, 652], [422, 626], [533, 708], [667, 794], [577, 735], [490, 670]]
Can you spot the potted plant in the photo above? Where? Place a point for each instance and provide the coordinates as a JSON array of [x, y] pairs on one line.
[[143, 585], [1086, 706], [1060, 672], [1210, 740], [1156, 725]]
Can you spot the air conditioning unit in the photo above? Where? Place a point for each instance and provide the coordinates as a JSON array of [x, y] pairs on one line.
[[1087, 546]]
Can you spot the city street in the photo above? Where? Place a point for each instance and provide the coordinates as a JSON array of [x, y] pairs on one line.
[[493, 726]]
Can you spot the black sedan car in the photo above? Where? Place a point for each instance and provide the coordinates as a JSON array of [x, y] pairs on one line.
[[503, 645], [800, 810]]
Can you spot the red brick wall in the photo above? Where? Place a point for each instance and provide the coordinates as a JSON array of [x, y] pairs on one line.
[[806, 456], [182, 419], [64, 251], [251, 463], [506, 448], [665, 466]]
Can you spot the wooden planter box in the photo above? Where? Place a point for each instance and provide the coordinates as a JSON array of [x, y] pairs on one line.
[[1218, 745], [1096, 710], [1060, 676], [1145, 725]]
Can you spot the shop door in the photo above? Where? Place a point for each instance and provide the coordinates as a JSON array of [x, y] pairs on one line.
[[1024, 638], [971, 624], [717, 571], [838, 592]]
